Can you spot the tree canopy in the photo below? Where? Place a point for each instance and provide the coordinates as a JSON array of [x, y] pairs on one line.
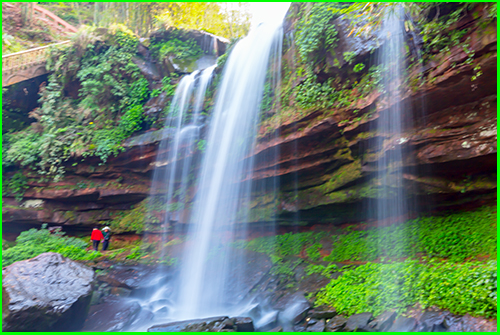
[[230, 20]]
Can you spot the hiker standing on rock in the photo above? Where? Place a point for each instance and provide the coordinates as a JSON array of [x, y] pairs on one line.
[[96, 237], [106, 232]]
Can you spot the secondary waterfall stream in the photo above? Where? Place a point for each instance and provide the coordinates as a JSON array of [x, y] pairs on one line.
[[391, 200]]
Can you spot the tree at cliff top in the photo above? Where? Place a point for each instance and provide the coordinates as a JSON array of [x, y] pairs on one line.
[[219, 18]]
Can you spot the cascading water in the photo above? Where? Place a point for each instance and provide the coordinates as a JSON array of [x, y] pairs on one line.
[[210, 269], [175, 154], [391, 201], [225, 177]]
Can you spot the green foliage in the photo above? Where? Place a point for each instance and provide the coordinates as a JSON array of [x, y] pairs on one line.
[[218, 18], [21, 148], [146, 251], [460, 235], [221, 61], [435, 33], [15, 185], [280, 246], [168, 86], [175, 48], [124, 37], [108, 108], [460, 288], [455, 237], [132, 221], [311, 94], [285, 268], [201, 145], [349, 56], [313, 251], [326, 271], [315, 30], [34, 242], [131, 121], [359, 67]]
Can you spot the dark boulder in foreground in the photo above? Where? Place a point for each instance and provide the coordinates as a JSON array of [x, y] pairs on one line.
[[213, 324], [46, 293]]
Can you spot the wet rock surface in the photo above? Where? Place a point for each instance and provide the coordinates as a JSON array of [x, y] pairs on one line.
[[358, 322], [133, 277], [113, 315], [318, 326], [46, 293], [403, 324], [336, 324], [382, 322], [213, 324]]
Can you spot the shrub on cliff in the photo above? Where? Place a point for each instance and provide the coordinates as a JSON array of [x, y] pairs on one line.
[[34, 242]]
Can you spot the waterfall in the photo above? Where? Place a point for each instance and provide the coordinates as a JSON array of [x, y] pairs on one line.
[[225, 177]]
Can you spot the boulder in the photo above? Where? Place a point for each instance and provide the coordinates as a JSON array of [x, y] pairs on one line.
[[432, 319], [314, 314], [46, 293], [317, 327], [453, 323], [357, 322], [144, 317], [296, 310], [336, 324], [243, 324], [113, 315], [208, 324], [382, 322], [267, 321], [403, 324], [133, 277], [275, 329]]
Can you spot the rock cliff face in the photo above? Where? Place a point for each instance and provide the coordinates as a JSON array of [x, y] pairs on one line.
[[327, 162], [449, 134]]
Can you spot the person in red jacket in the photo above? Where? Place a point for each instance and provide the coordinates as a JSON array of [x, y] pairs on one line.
[[96, 237]]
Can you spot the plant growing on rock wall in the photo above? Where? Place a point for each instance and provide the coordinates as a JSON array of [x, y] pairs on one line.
[[315, 31], [92, 103], [15, 185]]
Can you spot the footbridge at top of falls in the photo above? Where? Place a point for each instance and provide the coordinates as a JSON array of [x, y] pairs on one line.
[[24, 65]]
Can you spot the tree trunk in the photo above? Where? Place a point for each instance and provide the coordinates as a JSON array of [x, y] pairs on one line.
[[27, 13]]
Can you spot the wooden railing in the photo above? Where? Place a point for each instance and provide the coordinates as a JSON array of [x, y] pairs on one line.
[[45, 14], [26, 58]]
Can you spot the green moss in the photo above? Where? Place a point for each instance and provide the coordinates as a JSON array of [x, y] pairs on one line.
[[344, 175], [131, 221], [70, 216]]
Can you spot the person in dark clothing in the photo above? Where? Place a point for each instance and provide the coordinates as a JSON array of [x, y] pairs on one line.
[[96, 237], [106, 232]]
